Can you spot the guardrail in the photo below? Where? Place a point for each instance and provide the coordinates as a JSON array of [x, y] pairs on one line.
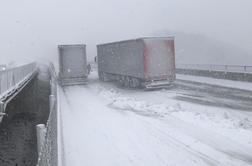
[[13, 80], [11, 77], [50, 152], [229, 72], [222, 68]]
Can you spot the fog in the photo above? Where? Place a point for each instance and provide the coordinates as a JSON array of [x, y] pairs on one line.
[[31, 30]]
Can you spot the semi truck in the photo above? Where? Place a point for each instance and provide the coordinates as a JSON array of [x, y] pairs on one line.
[[138, 63], [73, 67]]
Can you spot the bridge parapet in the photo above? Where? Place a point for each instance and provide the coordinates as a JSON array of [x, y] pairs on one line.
[[212, 67], [230, 72], [13, 80]]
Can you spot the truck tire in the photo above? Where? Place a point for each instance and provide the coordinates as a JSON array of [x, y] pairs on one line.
[[105, 77], [127, 81], [135, 82], [120, 80], [101, 77]]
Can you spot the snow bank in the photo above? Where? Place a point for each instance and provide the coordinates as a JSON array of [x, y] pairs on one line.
[[226, 122], [106, 125]]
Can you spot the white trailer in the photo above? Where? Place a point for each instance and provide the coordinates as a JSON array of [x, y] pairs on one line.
[[143, 62], [73, 68]]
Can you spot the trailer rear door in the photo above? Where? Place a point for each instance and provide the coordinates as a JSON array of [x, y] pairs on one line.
[[73, 61], [159, 58]]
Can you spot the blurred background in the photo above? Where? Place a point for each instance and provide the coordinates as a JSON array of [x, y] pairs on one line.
[[206, 31]]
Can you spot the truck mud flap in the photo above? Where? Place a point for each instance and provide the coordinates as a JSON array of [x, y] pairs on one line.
[[157, 85], [73, 81]]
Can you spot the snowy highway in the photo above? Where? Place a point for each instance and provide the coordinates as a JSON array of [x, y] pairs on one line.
[[188, 124]]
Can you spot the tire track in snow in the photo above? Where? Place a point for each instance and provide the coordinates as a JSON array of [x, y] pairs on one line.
[[158, 134], [227, 153]]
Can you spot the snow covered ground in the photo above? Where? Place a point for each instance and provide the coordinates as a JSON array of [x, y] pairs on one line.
[[105, 125]]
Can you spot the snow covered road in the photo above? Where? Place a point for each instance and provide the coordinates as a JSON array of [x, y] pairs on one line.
[[106, 125]]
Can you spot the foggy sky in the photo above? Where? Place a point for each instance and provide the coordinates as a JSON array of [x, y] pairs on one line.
[[32, 29]]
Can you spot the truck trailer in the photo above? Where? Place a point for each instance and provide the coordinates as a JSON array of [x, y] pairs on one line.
[[139, 63], [73, 68]]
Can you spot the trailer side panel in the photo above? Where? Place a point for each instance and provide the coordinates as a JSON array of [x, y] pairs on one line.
[[122, 58]]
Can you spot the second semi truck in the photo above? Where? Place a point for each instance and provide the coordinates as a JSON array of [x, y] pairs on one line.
[[143, 62]]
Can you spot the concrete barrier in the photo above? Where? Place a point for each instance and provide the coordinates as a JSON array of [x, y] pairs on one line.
[[13, 78], [217, 71], [41, 131]]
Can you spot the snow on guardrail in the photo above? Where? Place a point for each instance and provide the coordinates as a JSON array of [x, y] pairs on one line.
[[222, 68], [10, 78], [51, 149], [13, 80]]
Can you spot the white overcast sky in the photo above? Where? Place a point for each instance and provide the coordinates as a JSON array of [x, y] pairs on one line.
[[31, 29]]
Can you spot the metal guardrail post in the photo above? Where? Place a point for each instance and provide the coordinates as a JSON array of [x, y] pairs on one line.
[[52, 101], [41, 132], [2, 111], [52, 86], [1, 107]]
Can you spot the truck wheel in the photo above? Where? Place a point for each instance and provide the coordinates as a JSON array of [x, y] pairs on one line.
[[127, 81], [132, 85], [105, 77], [100, 74], [134, 82], [121, 80]]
